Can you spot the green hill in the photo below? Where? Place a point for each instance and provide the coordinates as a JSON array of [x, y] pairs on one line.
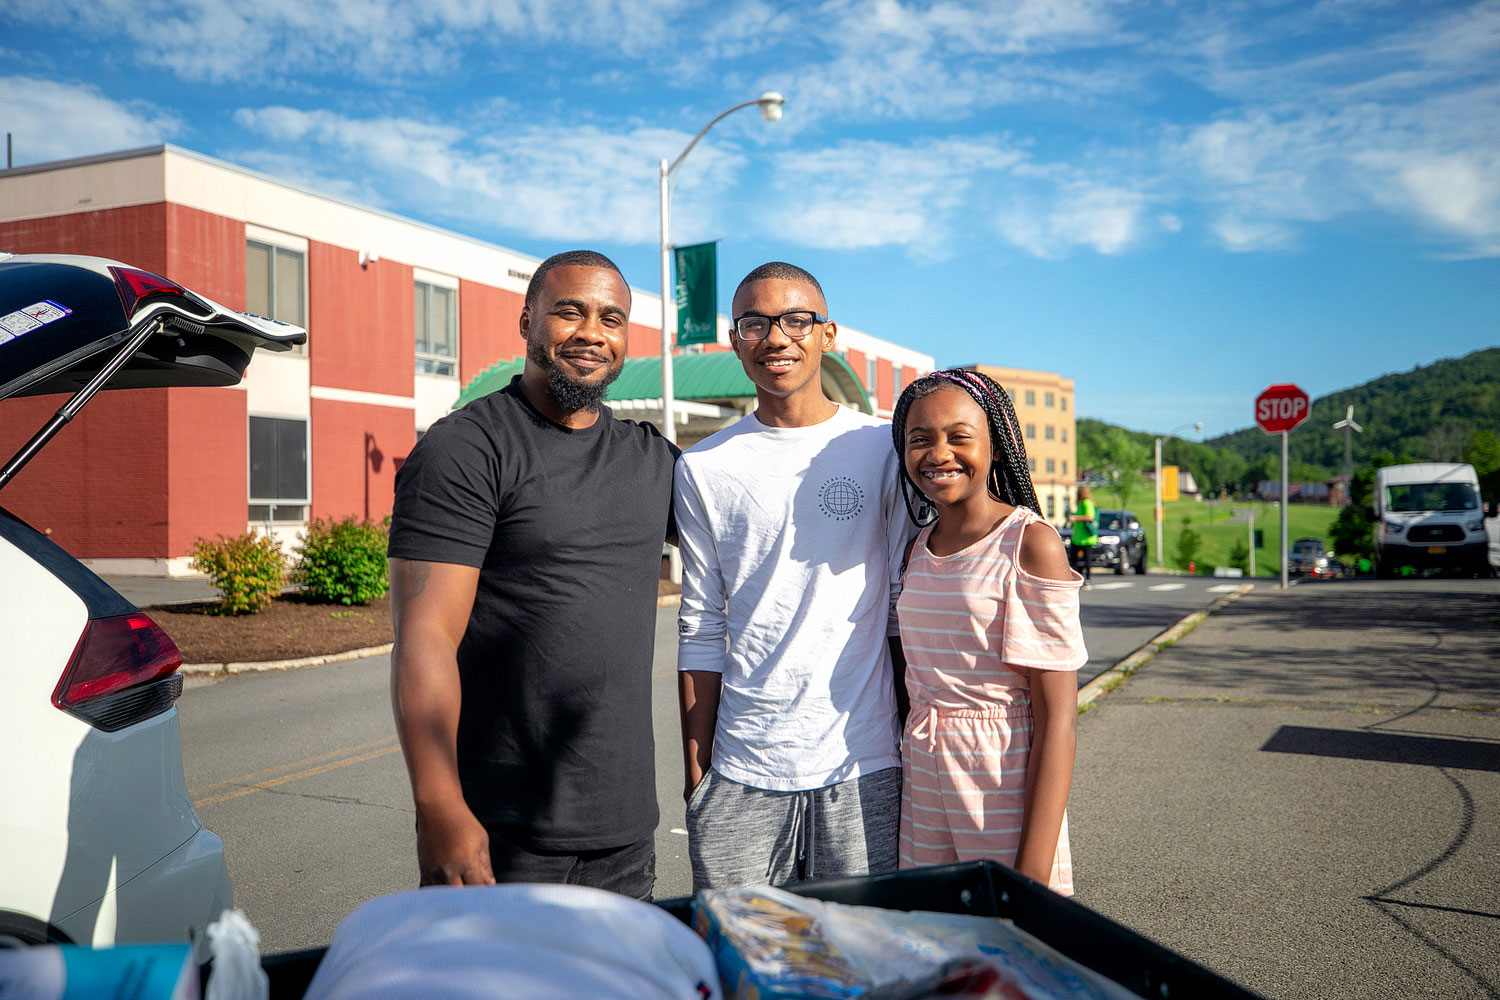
[[1428, 413], [1448, 411]]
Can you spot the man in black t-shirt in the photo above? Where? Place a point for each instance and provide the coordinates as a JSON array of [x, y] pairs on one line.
[[525, 550]]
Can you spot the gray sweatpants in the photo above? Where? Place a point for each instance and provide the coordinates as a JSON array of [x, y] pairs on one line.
[[739, 835]]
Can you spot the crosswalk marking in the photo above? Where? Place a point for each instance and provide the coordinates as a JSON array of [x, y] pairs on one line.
[[1113, 585], [1224, 588], [1167, 586]]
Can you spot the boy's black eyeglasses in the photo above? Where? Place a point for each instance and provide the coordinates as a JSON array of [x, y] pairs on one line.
[[796, 324]]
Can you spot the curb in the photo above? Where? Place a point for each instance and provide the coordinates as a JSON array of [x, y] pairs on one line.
[[1115, 675], [212, 669], [209, 669]]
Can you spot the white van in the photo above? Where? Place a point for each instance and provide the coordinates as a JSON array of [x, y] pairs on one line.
[[1429, 515]]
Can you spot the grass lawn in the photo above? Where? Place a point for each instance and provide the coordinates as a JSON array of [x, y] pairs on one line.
[[1222, 523]]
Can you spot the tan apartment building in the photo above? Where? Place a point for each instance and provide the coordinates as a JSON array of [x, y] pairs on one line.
[[1044, 407]]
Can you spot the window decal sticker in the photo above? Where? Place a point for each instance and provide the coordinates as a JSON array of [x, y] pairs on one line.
[[33, 317]]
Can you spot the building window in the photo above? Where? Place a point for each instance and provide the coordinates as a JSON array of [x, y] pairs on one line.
[[1064, 435], [1048, 432], [1031, 432], [436, 325], [1051, 465], [1031, 464], [278, 470], [1047, 399], [896, 376], [1051, 506], [1030, 397], [1063, 403], [276, 284], [870, 373], [1065, 466]]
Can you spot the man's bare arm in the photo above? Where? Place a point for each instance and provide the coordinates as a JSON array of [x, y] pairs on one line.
[[430, 608]]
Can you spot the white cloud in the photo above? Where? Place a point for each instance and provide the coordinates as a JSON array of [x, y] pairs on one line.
[[1459, 193], [1241, 235], [54, 121], [1107, 220], [562, 182], [214, 40], [945, 60], [858, 195]]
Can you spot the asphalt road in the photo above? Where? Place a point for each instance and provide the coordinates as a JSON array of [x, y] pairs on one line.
[[300, 773]]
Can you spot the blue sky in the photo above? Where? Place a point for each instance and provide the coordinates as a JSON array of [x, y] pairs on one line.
[[1175, 204]]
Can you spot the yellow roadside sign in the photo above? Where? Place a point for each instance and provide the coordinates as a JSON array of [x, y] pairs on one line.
[[1168, 483]]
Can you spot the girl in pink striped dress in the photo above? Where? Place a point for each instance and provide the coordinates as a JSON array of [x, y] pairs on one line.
[[989, 625]]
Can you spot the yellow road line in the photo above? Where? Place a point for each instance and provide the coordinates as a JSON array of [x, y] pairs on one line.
[[252, 776], [261, 786]]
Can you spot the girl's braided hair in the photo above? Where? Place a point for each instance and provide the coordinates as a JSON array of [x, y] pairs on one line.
[[1009, 480]]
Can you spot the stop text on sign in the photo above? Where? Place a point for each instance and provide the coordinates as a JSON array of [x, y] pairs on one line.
[[1280, 408]]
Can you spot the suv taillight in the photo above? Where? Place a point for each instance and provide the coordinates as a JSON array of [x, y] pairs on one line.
[[122, 671], [134, 284]]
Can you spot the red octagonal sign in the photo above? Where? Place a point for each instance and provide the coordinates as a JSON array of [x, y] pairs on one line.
[[1280, 408]]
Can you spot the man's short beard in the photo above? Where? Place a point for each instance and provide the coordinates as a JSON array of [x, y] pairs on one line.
[[569, 394]]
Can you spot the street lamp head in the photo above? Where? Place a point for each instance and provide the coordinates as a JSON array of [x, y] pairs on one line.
[[770, 106]]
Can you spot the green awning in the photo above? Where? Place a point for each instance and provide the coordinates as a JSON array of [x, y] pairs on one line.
[[709, 376]]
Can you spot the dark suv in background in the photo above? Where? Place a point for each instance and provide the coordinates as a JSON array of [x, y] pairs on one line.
[[1122, 542]]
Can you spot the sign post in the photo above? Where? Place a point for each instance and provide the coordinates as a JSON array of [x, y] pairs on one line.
[[1277, 410]]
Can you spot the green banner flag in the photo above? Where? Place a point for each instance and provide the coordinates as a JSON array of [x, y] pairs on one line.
[[697, 293]]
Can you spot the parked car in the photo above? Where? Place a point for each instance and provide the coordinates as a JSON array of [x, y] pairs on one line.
[[99, 842], [1122, 542], [1309, 558]]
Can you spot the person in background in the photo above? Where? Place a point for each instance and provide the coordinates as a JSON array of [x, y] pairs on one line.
[[791, 534], [989, 625], [525, 551], [1085, 534]]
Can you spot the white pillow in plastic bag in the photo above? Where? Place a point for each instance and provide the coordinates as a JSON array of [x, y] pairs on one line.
[[515, 941]]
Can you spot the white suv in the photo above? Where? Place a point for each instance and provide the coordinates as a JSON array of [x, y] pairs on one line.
[[99, 842]]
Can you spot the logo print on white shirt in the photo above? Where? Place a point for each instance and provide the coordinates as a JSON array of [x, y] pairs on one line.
[[841, 498]]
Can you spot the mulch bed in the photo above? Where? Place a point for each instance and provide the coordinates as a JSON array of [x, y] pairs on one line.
[[289, 629]]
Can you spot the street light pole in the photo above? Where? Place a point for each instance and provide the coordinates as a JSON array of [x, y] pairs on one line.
[[1195, 426], [770, 104]]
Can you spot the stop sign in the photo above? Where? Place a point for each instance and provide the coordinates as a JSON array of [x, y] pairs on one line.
[[1280, 408]]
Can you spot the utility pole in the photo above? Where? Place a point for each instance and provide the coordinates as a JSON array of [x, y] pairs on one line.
[[1347, 425]]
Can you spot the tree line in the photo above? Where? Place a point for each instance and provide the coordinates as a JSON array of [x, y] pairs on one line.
[[1448, 411]]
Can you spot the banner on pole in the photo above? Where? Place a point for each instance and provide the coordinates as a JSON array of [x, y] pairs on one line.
[[1169, 484], [697, 293]]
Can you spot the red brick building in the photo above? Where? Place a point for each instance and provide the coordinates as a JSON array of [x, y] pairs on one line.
[[400, 315]]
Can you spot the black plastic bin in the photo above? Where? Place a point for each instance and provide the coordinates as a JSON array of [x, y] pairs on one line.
[[981, 888]]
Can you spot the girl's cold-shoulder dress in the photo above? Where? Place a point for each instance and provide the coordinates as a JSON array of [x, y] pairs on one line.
[[972, 623]]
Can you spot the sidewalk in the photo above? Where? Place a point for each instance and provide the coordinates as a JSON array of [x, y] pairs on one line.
[[144, 591], [1304, 793]]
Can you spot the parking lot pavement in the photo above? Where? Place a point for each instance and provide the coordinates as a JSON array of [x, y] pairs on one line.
[[144, 591], [1304, 793]]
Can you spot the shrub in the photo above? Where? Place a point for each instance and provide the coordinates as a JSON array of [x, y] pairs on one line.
[[343, 562], [1239, 556], [248, 570], [1188, 542]]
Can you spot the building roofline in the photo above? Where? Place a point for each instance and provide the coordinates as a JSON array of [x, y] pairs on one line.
[[162, 149], [977, 366], [86, 161]]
